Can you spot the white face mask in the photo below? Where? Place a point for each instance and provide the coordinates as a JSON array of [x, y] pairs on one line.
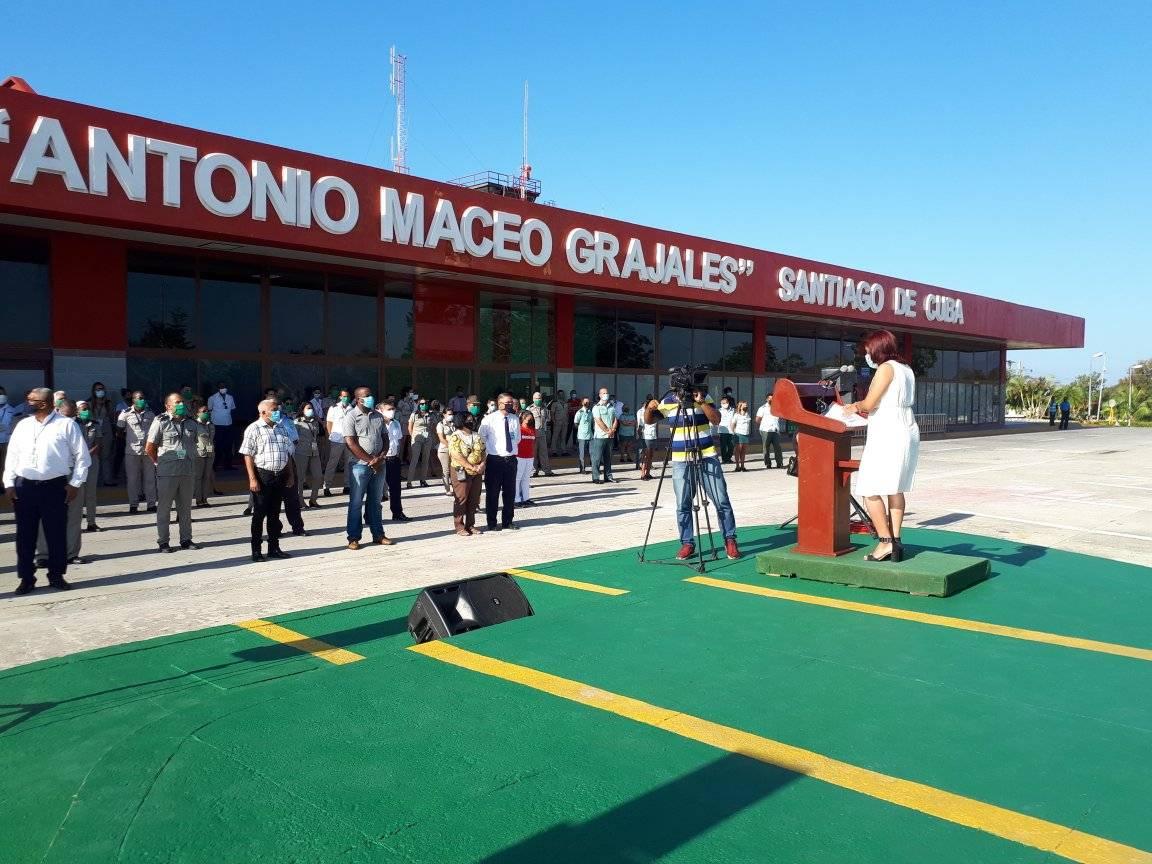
[[308, 412], [3, 400], [871, 363], [388, 414], [223, 391], [603, 398]]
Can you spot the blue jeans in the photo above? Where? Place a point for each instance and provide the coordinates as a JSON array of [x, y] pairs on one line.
[[362, 481], [716, 490], [582, 452], [601, 455]]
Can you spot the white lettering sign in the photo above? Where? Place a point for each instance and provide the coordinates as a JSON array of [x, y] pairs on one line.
[[829, 289]]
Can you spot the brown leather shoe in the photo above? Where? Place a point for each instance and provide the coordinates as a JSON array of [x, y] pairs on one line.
[[384, 541], [353, 545]]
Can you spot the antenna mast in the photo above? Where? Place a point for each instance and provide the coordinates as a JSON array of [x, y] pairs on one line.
[[400, 140], [525, 168]]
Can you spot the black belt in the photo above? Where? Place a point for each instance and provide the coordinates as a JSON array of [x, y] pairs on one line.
[[276, 473], [24, 481], [391, 458]]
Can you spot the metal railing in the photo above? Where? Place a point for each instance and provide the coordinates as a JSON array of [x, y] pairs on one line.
[[508, 185]]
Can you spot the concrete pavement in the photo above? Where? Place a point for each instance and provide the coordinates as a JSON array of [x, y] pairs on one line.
[[1084, 490]]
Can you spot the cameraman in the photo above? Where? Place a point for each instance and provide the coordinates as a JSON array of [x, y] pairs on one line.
[[691, 414]]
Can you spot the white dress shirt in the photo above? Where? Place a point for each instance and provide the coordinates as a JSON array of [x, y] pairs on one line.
[[46, 450], [221, 408], [768, 421], [395, 437], [335, 416], [495, 439]]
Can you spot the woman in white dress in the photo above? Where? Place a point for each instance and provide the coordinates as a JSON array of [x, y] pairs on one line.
[[888, 462]]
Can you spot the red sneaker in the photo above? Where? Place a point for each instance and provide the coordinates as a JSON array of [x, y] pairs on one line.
[[731, 548], [686, 551]]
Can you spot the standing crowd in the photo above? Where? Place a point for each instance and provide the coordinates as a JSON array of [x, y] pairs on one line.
[[57, 451]]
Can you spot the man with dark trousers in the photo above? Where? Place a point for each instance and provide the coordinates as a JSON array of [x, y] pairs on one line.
[[267, 452], [500, 431], [46, 464]]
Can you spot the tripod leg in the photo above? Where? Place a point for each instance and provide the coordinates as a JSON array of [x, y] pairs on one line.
[[656, 501]]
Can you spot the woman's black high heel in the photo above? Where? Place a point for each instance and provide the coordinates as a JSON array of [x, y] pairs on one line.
[[897, 549], [894, 553]]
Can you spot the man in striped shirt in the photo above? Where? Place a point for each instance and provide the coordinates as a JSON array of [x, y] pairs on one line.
[[692, 442]]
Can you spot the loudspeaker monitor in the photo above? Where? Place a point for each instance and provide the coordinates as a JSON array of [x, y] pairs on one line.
[[453, 608]]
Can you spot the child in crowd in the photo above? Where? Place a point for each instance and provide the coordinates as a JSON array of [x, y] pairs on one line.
[[524, 457]]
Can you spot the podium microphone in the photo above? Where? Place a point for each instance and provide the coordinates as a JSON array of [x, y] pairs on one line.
[[832, 379]]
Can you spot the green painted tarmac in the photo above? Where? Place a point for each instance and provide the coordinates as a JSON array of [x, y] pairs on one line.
[[220, 746]]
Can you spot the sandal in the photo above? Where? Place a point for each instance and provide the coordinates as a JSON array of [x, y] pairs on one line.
[[894, 554]]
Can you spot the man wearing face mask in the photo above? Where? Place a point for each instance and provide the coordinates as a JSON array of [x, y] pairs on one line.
[[45, 465], [74, 537], [320, 407], [171, 448], [369, 442], [205, 454], [559, 421], [309, 434], [501, 434], [420, 430], [393, 460], [604, 425], [267, 452], [221, 405], [94, 437], [543, 420], [582, 421], [136, 421], [336, 450]]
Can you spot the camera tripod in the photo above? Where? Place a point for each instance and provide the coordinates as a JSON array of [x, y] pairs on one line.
[[694, 474]]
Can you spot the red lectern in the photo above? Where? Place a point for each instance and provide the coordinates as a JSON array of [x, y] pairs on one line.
[[824, 467]]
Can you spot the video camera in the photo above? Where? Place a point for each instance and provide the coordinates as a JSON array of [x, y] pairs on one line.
[[686, 380]]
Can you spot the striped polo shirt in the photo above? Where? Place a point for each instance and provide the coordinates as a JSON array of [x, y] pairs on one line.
[[690, 428]]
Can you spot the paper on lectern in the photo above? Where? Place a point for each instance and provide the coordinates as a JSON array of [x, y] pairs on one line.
[[836, 412]]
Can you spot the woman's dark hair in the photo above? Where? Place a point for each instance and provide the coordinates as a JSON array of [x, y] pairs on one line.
[[881, 344], [469, 422], [526, 419], [435, 406]]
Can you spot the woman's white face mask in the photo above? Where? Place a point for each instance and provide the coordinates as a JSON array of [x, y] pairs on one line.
[[871, 363]]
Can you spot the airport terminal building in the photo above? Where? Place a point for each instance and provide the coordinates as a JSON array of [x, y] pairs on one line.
[[149, 255]]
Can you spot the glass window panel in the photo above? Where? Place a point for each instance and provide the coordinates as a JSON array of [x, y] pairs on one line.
[[158, 377], [25, 288], [924, 362], [827, 353], [801, 354], [965, 368], [582, 384], [161, 302], [948, 365], [606, 380], [445, 320], [429, 383], [545, 384], [489, 384], [543, 323], [594, 339], [737, 349], [646, 386], [675, 345], [520, 385], [626, 390], [244, 385], [229, 308], [635, 344], [399, 327], [351, 319], [775, 353], [296, 322], [396, 378], [349, 376], [297, 379], [708, 347]]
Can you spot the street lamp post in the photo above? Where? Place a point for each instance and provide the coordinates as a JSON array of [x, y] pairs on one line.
[[1091, 372], [1103, 375]]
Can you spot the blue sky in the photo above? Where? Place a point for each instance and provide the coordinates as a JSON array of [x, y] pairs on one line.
[[998, 148]]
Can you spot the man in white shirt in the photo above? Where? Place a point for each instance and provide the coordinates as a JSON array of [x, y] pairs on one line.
[[221, 404], [46, 464], [769, 432], [500, 432], [336, 449]]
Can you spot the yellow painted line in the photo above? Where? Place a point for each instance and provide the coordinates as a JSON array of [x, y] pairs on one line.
[[1019, 828], [299, 641], [567, 583], [928, 618]]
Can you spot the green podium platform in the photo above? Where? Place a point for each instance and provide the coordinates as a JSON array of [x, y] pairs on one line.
[[936, 574]]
